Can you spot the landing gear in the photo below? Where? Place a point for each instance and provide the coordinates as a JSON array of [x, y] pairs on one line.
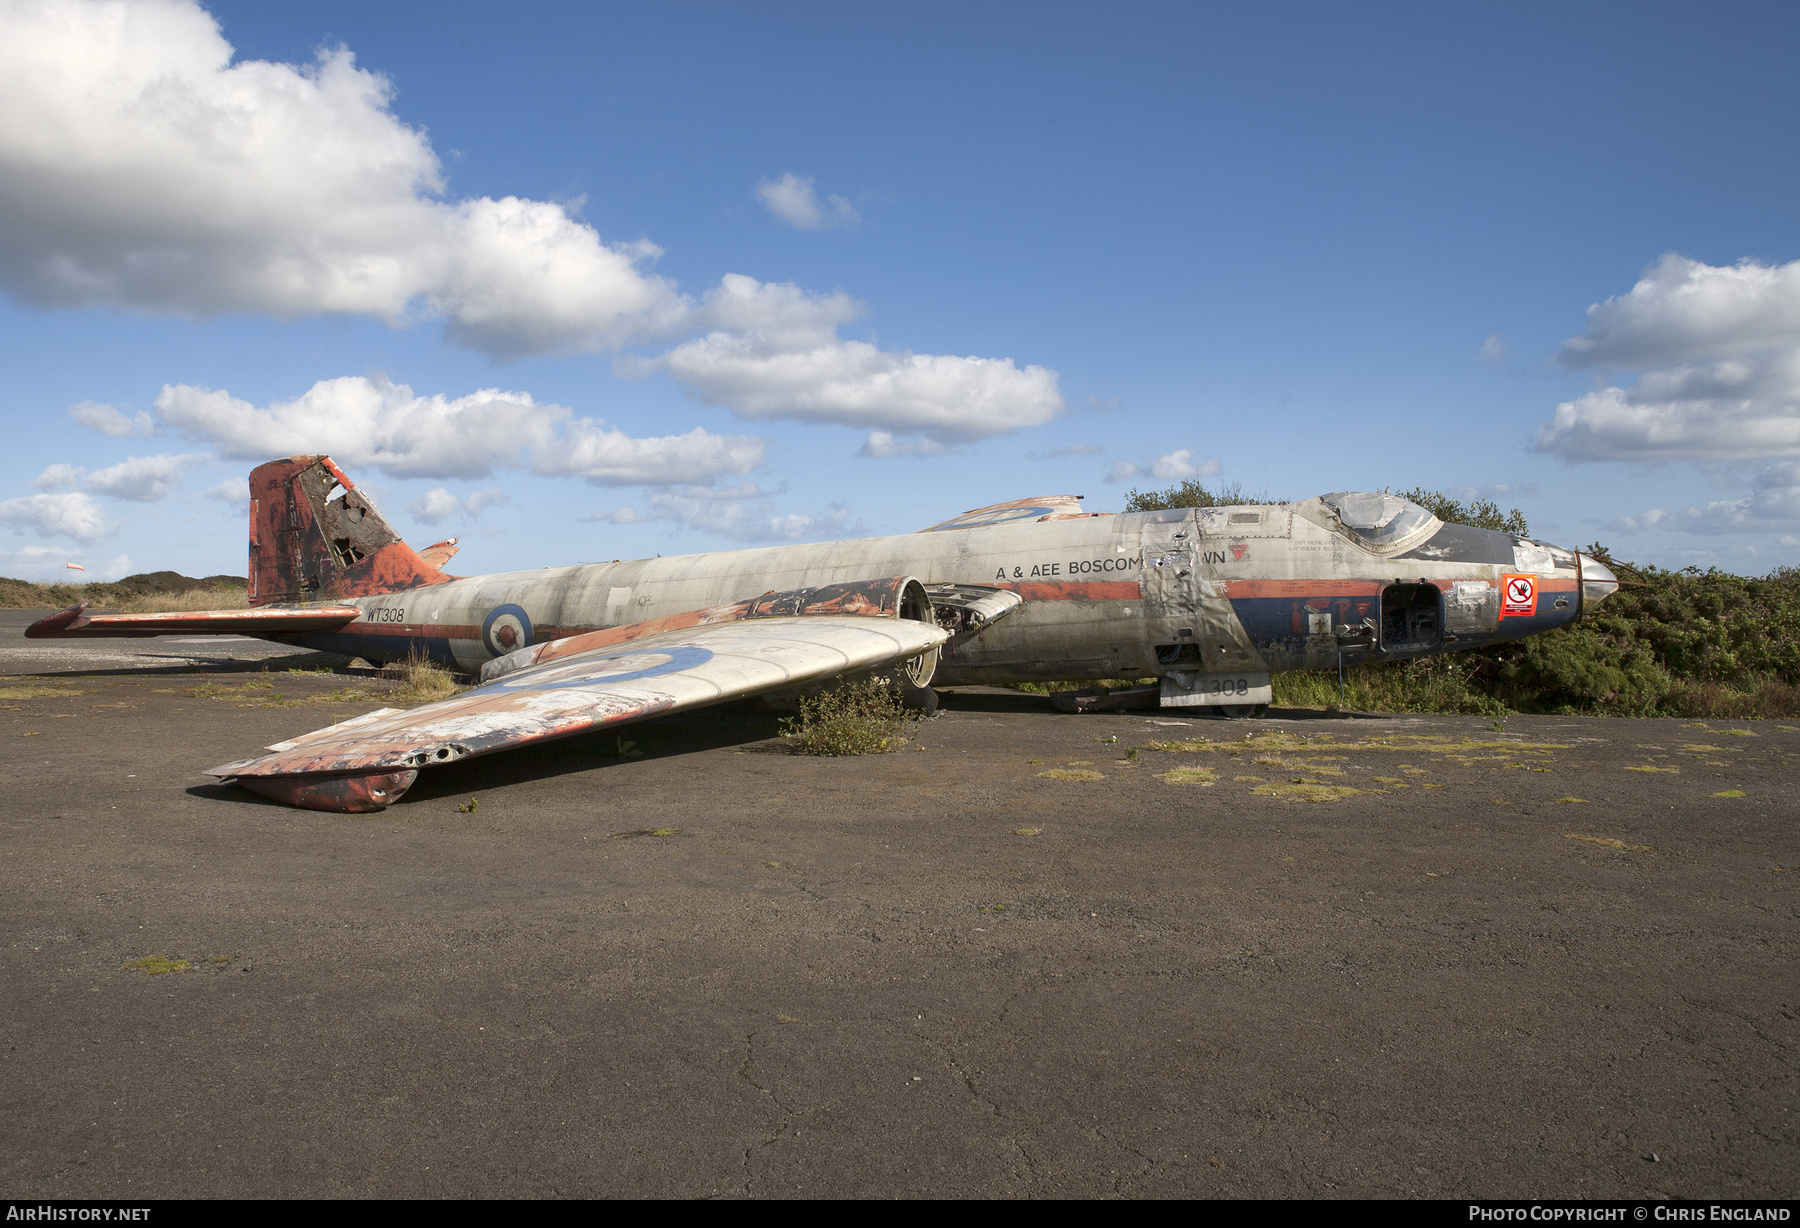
[[913, 682], [1242, 712], [923, 698]]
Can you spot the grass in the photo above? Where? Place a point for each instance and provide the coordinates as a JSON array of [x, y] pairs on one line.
[[157, 965], [35, 690], [417, 680], [216, 592], [1611, 843], [193, 599], [1435, 684], [421, 681], [859, 718], [1305, 791], [1191, 776], [1313, 748]]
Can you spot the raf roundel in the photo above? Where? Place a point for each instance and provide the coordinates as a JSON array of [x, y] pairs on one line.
[[508, 627]]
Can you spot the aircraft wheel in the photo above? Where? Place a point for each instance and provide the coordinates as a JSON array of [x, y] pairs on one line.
[[1239, 712], [915, 696]]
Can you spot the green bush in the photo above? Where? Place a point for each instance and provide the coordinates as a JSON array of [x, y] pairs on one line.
[[858, 718], [1189, 493], [1675, 643], [1435, 684]]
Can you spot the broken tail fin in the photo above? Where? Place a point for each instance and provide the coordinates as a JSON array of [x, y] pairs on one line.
[[306, 546]]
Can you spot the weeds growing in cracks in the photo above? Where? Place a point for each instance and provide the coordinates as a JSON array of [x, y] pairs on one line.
[[860, 718]]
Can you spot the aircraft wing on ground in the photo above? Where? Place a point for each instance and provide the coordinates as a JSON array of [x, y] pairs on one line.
[[76, 623], [578, 685]]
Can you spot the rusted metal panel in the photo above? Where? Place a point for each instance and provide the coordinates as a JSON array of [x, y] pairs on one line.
[[439, 553], [307, 546], [344, 793]]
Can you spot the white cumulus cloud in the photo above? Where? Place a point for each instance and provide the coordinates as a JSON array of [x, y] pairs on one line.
[[142, 166], [1499, 490], [70, 514], [232, 491], [607, 456], [882, 444], [619, 515], [110, 421], [1074, 449], [59, 477], [144, 479], [1173, 466], [39, 562], [1773, 503], [1717, 356], [367, 422], [438, 504], [774, 352], [794, 201], [742, 513]]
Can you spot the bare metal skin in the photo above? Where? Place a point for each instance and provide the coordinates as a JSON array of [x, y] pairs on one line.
[[1128, 595]]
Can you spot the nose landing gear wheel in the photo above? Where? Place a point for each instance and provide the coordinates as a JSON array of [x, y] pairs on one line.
[[1239, 712]]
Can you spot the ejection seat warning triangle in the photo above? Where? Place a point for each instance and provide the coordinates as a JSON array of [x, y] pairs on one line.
[[1518, 595]]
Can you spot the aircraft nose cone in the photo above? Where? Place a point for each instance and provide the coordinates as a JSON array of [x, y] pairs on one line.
[[1597, 582]]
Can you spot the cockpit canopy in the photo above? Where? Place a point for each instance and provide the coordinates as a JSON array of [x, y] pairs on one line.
[[1381, 521]]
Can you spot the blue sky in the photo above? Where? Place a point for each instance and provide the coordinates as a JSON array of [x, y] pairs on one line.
[[912, 260]]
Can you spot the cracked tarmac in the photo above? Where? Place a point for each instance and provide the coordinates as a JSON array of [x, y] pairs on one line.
[[1503, 963]]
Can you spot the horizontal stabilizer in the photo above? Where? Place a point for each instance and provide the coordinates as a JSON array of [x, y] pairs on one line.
[[76, 623]]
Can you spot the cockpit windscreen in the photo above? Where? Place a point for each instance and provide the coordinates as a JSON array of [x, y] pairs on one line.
[[1377, 518]]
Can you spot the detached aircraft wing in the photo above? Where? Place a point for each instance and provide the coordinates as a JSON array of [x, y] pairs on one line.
[[775, 642]]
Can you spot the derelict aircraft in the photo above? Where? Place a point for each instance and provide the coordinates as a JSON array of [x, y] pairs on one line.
[[1211, 601]]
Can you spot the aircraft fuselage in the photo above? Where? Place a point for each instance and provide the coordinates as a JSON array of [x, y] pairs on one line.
[[1187, 592]]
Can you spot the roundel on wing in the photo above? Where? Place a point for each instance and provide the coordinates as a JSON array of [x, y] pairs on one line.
[[507, 627]]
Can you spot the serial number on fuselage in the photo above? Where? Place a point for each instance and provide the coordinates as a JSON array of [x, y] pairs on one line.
[[1224, 686], [384, 614]]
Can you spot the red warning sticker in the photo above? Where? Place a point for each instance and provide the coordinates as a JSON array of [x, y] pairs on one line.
[[1518, 596]]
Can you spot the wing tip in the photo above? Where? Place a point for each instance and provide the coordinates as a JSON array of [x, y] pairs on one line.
[[55, 624], [337, 792]]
